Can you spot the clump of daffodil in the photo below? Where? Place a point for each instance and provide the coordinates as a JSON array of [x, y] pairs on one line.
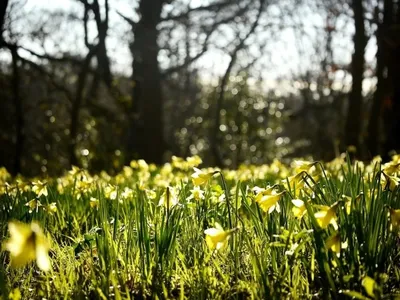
[[217, 238], [199, 177], [299, 208], [27, 243], [327, 215], [268, 199], [40, 188], [196, 193]]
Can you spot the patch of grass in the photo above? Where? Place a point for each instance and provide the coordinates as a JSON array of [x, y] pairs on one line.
[[141, 233]]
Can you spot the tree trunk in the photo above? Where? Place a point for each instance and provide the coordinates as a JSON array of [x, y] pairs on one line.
[[375, 119], [19, 118], [146, 117], [354, 115], [393, 106]]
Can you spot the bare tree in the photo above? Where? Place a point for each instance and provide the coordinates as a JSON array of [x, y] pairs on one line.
[[354, 116], [145, 136]]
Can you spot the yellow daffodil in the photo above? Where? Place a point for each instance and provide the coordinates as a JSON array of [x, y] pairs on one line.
[[296, 182], [326, 216], [27, 243], [394, 218], [391, 168], [150, 194], [40, 188], [199, 177], [299, 209], [369, 285], [196, 194], [302, 165], [51, 208], [127, 193], [268, 200], [334, 243], [193, 161], [217, 238], [33, 205], [169, 199], [110, 192], [94, 203], [390, 182]]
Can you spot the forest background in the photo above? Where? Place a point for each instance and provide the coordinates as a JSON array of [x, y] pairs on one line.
[[97, 83]]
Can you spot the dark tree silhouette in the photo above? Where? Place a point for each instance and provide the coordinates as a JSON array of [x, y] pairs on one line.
[[354, 115]]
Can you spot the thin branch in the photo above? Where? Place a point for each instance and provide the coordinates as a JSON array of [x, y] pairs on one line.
[[130, 22], [224, 82]]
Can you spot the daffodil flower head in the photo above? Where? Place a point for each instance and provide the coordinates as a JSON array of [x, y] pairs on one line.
[[302, 165], [94, 202], [33, 205], [299, 208], [327, 215], [27, 242], [391, 168], [390, 182], [199, 177], [51, 208], [268, 200], [334, 243], [40, 188], [296, 182], [194, 161], [196, 193], [111, 192], [169, 198], [369, 285], [394, 218], [217, 238]]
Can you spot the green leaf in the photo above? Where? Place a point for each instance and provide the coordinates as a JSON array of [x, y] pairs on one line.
[[355, 295]]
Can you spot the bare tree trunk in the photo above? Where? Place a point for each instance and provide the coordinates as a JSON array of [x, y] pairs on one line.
[[19, 118], [374, 125], [103, 62], [146, 118], [393, 107], [354, 115]]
